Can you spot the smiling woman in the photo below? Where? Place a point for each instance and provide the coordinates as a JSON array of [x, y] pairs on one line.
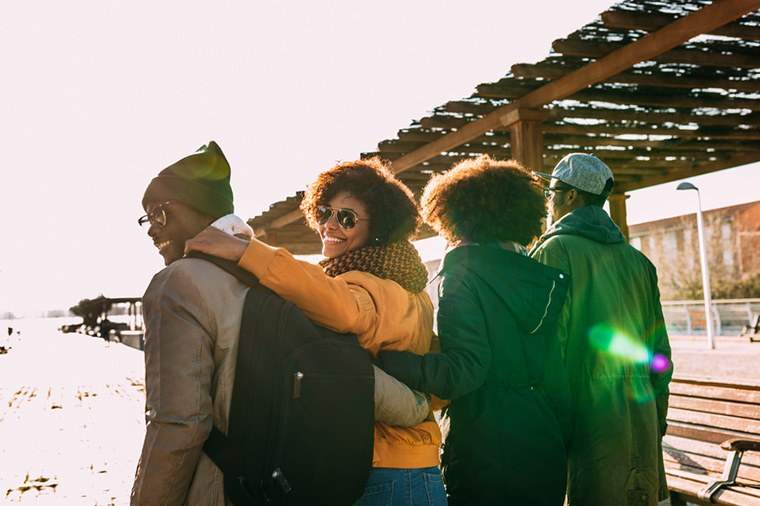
[[370, 284], [369, 197]]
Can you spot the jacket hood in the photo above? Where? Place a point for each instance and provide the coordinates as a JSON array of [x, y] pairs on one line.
[[533, 293], [590, 222]]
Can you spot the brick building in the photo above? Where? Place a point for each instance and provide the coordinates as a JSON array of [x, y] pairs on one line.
[[733, 246]]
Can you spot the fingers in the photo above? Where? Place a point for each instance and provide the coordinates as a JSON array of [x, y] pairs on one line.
[[205, 241], [217, 243]]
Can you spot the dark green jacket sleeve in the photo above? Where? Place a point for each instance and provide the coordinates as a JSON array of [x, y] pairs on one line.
[[465, 356], [554, 254], [662, 371]]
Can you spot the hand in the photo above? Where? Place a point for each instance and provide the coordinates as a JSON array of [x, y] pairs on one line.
[[214, 242], [402, 365]]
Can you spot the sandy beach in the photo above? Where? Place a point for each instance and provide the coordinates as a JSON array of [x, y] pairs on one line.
[[71, 410], [71, 417]]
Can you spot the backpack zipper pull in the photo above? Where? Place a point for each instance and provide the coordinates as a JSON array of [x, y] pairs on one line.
[[279, 477], [297, 377]]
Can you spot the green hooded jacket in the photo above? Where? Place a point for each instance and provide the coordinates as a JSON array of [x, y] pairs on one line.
[[501, 367], [617, 355]]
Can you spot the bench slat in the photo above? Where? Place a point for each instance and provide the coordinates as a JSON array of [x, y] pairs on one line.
[[741, 425], [707, 449], [702, 433], [696, 474], [699, 464], [684, 484], [721, 407], [714, 390]]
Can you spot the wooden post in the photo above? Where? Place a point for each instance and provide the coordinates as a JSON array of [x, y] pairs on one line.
[[618, 211], [526, 137]]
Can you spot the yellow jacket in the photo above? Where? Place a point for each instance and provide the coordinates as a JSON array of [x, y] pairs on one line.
[[379, 311]]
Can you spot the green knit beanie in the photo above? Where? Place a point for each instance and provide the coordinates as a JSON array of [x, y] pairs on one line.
[[201, 180]]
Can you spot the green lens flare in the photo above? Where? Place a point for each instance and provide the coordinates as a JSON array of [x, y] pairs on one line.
[[618, 344], [629, 359]]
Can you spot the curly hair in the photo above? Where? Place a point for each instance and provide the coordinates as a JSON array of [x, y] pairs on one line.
[[484, 200], [393, 212]]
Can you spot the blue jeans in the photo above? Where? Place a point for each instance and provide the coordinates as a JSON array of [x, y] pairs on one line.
[[404, 487]]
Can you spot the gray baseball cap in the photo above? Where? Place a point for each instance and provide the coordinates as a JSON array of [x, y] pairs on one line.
[[584, 172]]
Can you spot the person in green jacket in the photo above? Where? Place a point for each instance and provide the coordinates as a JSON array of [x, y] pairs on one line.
[[614, 342], [500, 362]]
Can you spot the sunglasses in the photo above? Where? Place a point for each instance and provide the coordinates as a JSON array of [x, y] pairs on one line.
[[347, 218], [156, 217]]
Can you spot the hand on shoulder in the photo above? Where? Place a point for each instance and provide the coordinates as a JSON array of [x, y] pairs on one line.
[[212, 241]]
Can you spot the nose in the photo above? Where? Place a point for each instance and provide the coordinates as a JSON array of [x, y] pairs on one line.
[[153, 231], [332, 222]]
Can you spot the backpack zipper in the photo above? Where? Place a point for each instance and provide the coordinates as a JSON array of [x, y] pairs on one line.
[[297, 378]]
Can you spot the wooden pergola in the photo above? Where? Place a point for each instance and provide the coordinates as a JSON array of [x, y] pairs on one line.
[[658, 89]]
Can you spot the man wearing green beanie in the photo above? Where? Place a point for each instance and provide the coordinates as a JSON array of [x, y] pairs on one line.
[[197, 190], [192, 311]]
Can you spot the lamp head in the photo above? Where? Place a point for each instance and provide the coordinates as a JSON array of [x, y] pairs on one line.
[[686, 186]]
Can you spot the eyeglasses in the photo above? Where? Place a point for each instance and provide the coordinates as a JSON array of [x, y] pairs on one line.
[[548, 192], [156, 217], [347, 218]]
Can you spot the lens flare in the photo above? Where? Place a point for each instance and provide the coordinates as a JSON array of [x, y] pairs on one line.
[[623, 352], [608, 340], [660, 363]]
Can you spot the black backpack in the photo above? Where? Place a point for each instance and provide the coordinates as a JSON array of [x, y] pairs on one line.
[[301, 422]]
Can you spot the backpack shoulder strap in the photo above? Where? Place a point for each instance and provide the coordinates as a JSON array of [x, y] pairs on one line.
[[229, 266], [225, 453]]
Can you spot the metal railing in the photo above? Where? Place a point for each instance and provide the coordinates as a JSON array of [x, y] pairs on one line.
[[730, 316]]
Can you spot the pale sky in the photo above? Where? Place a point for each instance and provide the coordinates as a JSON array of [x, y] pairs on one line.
[[97, 97]]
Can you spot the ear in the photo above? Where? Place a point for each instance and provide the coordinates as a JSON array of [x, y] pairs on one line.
[[572, 197]]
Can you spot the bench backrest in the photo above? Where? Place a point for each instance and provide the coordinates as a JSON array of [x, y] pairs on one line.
[[713, 411], [702, 415]]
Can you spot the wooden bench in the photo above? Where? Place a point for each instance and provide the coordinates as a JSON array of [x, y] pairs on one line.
[[712, 447]]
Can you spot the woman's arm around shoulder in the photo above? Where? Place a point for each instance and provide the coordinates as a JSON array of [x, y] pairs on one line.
[[463, 363]]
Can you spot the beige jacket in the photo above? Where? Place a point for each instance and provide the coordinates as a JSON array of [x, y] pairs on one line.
[[192, 313]]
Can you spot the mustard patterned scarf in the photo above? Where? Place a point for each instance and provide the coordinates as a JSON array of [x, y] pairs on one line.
[[398, 262]]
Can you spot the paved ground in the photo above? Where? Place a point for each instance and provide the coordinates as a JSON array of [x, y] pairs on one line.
[[732, 359], [71, 411]]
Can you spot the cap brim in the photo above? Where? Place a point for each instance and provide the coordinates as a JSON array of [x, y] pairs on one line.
[[545, 176]]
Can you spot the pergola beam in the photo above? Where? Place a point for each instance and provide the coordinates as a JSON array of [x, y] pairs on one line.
[[648, 47], [612, 130], [614, 115], [650, 78], [704, 20], [627, 20], [422, 138], [647, 97], [592, 49], [698, 169], [556, 136]]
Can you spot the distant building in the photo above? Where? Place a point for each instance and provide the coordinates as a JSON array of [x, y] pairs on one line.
[[732, 235]]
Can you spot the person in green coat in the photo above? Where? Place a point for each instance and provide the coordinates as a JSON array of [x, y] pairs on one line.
[[613, 339], [500, 363]]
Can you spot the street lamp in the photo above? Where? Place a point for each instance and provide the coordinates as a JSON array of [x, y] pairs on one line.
[[703, 262]]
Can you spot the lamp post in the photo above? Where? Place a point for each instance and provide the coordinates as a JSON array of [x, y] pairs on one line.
[[703, 262]]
